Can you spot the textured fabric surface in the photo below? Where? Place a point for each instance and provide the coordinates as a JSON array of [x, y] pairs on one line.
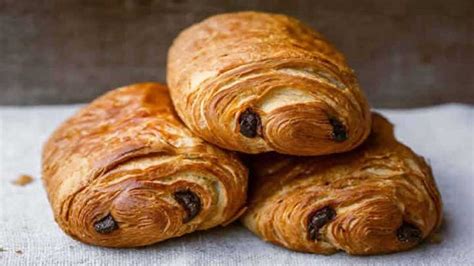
[[28, 234]]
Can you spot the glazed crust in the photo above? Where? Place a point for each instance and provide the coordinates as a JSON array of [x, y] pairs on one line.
[[379, 198], [125, 172], [307, 99]]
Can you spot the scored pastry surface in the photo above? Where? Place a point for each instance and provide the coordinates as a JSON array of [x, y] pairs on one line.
[[256, 82], [125, 172]]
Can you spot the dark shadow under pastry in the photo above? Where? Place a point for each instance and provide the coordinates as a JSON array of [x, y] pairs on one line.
[[379, 198], [125, 172]]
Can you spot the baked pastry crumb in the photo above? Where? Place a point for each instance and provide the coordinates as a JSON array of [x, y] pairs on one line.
[[23, 180], [435, 238]]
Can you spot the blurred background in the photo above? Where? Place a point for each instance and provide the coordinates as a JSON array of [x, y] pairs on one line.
[[405, 53]]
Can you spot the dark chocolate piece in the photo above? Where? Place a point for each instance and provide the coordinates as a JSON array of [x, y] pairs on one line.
[[318, 219], [190, 202], [408, 233], [339, 133], [250, 124], [106, 225]]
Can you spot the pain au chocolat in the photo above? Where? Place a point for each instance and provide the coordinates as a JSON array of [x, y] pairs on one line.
[[125, 172], [256, 82], [379, 198]]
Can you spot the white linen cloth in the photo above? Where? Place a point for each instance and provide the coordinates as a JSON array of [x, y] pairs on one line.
[[442, 134]]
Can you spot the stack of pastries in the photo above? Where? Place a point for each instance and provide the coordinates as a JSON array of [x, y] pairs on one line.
[[263, 121]]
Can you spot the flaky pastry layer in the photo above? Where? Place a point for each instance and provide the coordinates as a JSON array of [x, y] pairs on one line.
[[257, 82], [125, 172], [379, 198]]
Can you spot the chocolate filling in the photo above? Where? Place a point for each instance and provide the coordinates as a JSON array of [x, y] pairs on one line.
[[408, 233], [318, 219], [250, 124], [190, 202], [339, 133], [106, 225]]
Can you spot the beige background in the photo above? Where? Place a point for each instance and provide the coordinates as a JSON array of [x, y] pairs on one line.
[[406, 53]]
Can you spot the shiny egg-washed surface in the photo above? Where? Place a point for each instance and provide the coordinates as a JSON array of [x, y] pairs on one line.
[[379, 198], [125, 172], [256, 82]]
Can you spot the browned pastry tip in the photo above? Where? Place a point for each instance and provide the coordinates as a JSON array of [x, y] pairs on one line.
[[379, 198], [257, 82], [125, 172]]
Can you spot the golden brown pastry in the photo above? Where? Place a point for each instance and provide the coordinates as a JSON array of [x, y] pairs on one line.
[[256, 82], [125, 172], [379, 198]]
